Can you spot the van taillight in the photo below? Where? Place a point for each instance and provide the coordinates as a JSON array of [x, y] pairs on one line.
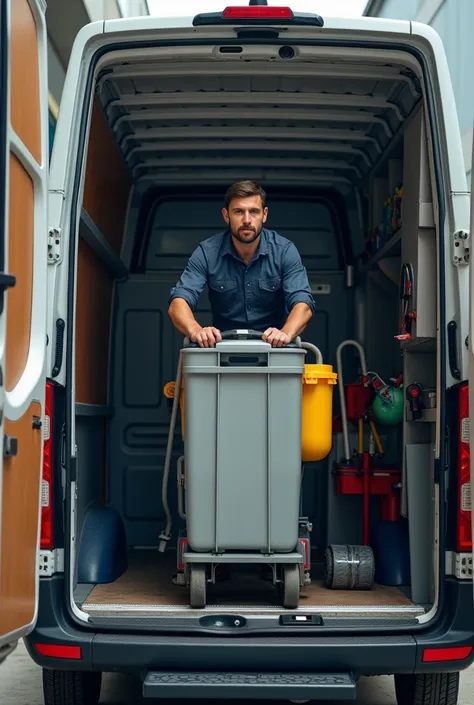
[[46, 543], [464, 522]]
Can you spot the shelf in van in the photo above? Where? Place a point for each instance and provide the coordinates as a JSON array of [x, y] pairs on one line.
[[390, 249]]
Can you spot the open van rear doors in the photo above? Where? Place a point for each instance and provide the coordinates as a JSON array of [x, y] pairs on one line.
[[23, 258], [468, 500]]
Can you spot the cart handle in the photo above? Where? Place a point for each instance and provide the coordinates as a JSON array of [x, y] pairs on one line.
[[241, 333], [244, 333]]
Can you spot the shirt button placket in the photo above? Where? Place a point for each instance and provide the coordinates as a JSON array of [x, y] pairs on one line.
[[247, 295]]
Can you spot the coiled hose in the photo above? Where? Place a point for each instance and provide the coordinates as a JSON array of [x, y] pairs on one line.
[[345, 428]]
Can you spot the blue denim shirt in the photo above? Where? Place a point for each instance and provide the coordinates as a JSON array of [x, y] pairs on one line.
[[256, 295]]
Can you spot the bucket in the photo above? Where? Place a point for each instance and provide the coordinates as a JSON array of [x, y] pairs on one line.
[[318, 387]]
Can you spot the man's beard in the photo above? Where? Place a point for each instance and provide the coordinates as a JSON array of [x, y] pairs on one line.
[[247, 237]]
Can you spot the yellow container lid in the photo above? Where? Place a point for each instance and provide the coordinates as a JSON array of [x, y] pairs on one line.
[[313, 373]]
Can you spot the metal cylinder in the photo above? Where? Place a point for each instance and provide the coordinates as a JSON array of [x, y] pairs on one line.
[[349, 567]]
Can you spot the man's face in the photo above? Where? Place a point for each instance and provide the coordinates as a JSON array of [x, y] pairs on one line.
[[245, 218]]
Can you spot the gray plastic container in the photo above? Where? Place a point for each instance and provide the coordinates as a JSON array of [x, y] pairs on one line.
[[243, 446]]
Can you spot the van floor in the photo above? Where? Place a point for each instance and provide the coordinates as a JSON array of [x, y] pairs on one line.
[[146, 586]]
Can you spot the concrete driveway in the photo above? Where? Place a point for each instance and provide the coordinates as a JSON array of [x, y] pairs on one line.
[[20, 684]]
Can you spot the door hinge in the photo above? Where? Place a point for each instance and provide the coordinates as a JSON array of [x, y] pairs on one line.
[[54, 245], [461, 242], [50, 562], [460, 565]]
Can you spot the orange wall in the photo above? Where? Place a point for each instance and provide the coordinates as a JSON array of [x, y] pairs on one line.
[[94, 300], [107, 184], [106, 190]]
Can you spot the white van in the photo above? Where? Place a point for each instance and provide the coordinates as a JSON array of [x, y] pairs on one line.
[[351, 127]]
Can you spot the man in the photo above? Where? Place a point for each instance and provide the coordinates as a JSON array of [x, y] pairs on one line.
[[255, 277]]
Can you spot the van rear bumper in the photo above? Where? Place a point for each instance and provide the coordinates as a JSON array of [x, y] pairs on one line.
[[357, 655]]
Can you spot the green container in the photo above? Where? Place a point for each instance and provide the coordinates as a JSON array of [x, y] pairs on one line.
[[389, 412]]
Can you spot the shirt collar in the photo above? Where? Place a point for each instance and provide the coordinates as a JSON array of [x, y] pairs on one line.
[[227, 248]]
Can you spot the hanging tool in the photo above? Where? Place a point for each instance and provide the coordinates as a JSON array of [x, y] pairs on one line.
[[406, 295], [359, 395]]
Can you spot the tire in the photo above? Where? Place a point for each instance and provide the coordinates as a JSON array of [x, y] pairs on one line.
[[349, 567], [71, 687], [291, 586], [197, 585], [427, 688]]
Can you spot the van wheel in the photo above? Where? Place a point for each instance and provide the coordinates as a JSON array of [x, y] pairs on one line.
[[71, 687], [427, 688]]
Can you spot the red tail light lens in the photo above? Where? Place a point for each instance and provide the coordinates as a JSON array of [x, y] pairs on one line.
[[450, 653], [464, 523], [59, 651], [257, 12], [46, 542]]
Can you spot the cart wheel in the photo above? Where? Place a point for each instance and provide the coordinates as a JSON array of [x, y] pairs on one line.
[[349, 567], [291, 586], [197, 585]]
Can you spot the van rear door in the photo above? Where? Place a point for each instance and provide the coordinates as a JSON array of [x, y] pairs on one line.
[[468, 499], [23, 258]]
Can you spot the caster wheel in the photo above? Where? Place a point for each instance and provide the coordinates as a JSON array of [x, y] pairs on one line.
[[349, 567], [290, 589], [197, 585]]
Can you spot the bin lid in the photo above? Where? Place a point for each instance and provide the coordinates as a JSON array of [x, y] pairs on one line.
[[313, 373]]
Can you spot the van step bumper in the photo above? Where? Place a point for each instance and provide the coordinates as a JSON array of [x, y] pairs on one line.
[[276, 686]]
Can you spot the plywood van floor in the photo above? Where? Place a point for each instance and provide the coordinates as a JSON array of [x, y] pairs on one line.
[[147, 583]]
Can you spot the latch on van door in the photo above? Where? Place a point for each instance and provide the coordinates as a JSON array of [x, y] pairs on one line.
[[10, 446]]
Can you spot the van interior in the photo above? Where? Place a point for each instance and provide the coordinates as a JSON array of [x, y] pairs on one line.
[[340, 140]]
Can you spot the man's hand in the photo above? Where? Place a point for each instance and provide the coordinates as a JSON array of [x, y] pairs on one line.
[[206, 337], [277, 338]]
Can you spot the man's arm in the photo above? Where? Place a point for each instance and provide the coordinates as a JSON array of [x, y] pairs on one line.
[[183, 301], [298, 319], [299, 300]]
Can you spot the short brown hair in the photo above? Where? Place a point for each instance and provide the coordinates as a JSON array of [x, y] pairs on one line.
[[243, 189]]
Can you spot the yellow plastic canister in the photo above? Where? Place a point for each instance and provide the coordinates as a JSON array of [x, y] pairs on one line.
[[318, 387], [169, 392]]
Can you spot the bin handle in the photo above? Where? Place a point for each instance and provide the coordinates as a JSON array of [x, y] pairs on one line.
[[317, 352], [248, 333], [241, 333]]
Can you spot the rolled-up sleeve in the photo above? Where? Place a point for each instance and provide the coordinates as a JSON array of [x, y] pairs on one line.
[[192, 281], [295, 279]]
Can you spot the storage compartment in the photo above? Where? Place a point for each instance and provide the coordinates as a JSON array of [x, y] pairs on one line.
[[353, 189]]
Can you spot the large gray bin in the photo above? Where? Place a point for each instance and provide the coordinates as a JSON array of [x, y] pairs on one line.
[[243, 446]]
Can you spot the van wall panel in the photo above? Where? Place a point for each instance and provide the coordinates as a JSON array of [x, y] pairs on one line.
[[107, 183], [20, 264], [94, 297], [20, 523], [143, 350], [25, 116]]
